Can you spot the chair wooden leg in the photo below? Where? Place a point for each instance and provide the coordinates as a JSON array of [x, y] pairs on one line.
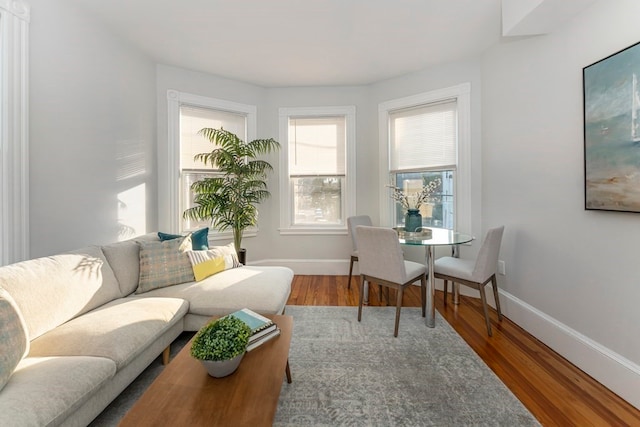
[[456, 292], [361, 298], [446, 289], [350, 273], [494, 284], [398, 307], [423, 295], [483, 297]]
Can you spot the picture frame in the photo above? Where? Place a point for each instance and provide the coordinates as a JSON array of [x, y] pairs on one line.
[[611, 106]]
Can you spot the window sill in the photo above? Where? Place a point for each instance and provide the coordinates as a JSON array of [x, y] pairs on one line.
[[228, 235], [301, 231]]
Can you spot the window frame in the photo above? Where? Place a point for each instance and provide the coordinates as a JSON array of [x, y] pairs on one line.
[[286, 191], [462, 180], [14, 127], [175, 100]]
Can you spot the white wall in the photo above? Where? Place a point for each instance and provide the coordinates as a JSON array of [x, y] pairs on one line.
[[172, 78], [319, 254], [444, 76], [309, 254], [572, 275], [92, 132]]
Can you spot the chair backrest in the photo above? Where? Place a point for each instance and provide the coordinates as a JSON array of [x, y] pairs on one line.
[[487, 261], [353, 222], [379, 253]]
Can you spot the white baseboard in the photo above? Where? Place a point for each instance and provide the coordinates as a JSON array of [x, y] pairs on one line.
[[615, 372]]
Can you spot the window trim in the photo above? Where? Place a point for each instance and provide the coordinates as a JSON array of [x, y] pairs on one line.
[[175, 100], [286, 196], [463, 207], [14, 125]]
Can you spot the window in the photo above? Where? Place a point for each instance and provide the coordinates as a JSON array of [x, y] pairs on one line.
[[192, 119], [187, 115], [426, 139], [316, 186], [423, 149], [14, 109]]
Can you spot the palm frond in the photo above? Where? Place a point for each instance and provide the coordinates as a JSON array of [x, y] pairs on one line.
[[230, 200]]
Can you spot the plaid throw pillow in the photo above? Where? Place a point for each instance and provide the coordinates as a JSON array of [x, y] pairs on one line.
[[164, 264]]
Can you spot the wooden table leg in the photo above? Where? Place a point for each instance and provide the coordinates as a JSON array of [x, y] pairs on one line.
[[288, 372], [166, 354]]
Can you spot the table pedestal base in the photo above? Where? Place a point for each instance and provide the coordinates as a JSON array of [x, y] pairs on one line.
[[431, 290]]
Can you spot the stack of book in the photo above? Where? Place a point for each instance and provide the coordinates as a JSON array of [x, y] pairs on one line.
[[262, 329]]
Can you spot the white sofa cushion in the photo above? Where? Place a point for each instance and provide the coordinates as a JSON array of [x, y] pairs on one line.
[[13, 337], [45, 391], [119, 330], [262, 289], [124, 259], [50, 291]]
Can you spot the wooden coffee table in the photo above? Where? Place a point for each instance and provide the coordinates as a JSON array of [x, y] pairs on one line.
[[185, 395]]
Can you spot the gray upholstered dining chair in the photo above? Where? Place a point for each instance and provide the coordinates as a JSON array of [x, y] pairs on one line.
[[352, 223], [381, 261], [474, 273]]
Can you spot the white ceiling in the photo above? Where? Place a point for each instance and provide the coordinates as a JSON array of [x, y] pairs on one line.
[[276, 43]]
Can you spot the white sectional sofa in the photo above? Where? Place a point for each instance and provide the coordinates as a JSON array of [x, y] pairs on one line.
[[74, 332]]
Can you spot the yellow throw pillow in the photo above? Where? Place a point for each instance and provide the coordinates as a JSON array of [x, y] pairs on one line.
[[206, 268], [212, 261]]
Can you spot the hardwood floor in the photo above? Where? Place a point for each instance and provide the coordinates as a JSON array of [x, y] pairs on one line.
[[556, 392]]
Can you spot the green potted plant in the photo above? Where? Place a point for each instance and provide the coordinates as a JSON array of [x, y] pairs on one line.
[[221, 345], [230, 199]]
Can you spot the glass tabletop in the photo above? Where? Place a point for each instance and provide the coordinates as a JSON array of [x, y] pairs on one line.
[[429, 236]]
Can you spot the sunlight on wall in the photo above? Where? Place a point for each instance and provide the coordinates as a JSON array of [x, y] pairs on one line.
[[132, 212], [132, 201]]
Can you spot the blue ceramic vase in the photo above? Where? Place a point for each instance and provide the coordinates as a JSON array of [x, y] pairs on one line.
[[412, 220]]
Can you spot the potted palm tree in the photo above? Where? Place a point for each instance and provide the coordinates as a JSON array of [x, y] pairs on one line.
[[230, 200], [221, 345]]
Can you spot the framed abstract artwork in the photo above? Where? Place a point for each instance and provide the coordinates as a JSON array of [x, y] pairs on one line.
[[611, 95]]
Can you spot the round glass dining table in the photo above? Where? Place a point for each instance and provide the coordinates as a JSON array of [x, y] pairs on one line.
[[437, 237]]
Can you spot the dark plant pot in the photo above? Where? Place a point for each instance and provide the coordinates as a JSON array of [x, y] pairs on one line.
[[242, 256]]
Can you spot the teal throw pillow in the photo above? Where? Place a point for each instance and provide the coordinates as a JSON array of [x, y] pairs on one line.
[[199, 238], [167, 236]]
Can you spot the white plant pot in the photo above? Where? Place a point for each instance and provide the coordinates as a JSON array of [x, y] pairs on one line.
[[222, 368]]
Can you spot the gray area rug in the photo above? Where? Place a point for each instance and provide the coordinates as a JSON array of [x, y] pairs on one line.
[[354, 373], [350, 373]]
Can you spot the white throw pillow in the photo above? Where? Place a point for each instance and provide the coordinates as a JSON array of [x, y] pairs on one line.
[[212, 261], [14, 344]]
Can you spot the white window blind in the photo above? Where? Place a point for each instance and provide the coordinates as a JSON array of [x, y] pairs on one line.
[[192, 119], [423, 137], [317, 146]]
